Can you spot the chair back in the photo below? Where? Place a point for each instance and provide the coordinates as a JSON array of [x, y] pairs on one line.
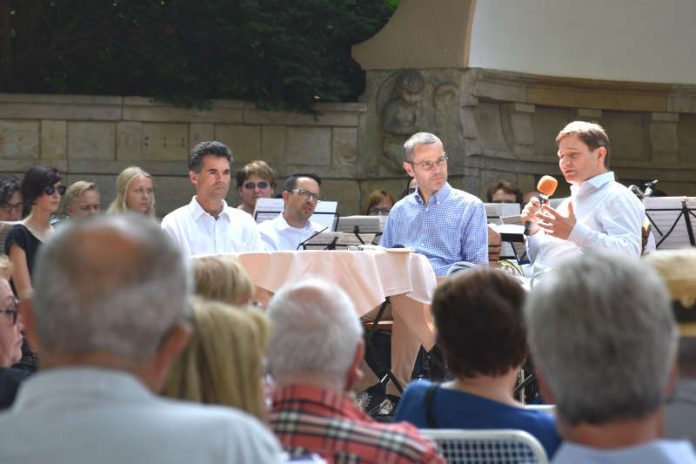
[[497, 446]]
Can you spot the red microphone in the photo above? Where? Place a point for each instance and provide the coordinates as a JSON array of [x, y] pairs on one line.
[[546, 186]]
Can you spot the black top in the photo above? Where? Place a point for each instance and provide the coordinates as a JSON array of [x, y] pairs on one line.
[[9, 383], [26, 241]]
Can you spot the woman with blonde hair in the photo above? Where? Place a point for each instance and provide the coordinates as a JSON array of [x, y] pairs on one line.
[[134, 192], [222, 278], [223, 363]]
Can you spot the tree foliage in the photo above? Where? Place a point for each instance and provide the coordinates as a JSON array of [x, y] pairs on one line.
[[282, 54]]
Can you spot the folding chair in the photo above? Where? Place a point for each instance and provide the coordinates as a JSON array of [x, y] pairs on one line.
[[496, 446]]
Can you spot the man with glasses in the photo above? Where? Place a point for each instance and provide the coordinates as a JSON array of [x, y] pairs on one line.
[[255, 180], [10, 199], [207, 224], [446, 225], [10, 345], [293, 226]]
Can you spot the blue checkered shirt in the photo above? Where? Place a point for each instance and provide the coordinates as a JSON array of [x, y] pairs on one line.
[[450, 228]]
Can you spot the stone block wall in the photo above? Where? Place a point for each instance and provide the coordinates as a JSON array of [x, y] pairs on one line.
[[95, 137]]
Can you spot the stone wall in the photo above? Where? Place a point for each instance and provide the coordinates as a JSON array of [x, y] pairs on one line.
[[95, 137]]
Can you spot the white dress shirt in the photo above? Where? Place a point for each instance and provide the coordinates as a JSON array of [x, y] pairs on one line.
[[278, 235], [608, 216], [105, 416], [199, 233]]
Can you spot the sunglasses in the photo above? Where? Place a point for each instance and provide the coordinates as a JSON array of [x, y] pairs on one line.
[[252, 185], [51, 189]]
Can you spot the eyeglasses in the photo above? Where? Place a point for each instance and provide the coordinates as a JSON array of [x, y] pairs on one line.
[[252, 185], [429, 165], [12, 311], [307, 195], [374, 211], [9, 207], [51, 189]]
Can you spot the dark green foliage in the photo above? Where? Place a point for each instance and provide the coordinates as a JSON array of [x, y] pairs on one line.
[[280, 54]]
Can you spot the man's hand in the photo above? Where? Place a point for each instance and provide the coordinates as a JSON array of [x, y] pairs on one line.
[[530, 213], [555, 224]]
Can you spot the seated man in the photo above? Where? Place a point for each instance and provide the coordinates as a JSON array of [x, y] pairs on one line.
[[600, 212], [293, 226], [207, 224], [504, 191], [444, 224], [109, 321], [603, 337], [315, 349], [676, 267]]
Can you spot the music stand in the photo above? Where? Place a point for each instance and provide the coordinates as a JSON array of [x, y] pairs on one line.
[[328, 240], [672, 220]]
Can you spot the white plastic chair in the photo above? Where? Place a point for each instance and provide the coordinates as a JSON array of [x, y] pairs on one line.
[[500, 446]]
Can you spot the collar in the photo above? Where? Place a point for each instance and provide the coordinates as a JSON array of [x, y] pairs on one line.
[[197, 210], [435, 198], [336, 403], [594, 183]]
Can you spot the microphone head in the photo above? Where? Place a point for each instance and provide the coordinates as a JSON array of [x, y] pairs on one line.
[[547, 185]]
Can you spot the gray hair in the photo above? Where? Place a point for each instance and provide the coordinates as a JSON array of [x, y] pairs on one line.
[[314, 329], [602, 333], [113, 284], [419, 138]]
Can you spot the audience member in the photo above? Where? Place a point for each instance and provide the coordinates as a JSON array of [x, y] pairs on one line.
[[222, 278], [504, 192], [134, 192], [41, 191], [255, 180], [293, 226], [223, 363], [82, 199], [604, 339], [599, 214], [676, 267], [378, 203], [109, 321], [10, 198], [480, 329], [207, 224], [11, 328], [444, 224], [316, 347]]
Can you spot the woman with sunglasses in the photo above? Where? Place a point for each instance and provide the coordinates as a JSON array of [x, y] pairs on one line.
[[41, 192], [255, 180]]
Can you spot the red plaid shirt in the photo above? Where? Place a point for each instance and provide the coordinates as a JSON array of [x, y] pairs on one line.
[[313, 420]]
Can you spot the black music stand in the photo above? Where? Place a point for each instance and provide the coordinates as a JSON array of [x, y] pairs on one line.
[[672, 220], [336, 241]]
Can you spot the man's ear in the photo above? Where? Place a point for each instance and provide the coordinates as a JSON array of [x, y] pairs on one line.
[[172, 345], [26, 311], [602, 153], [355, 374], [408, 167], [193, 177]]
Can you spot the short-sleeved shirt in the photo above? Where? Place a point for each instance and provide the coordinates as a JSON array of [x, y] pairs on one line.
[[22, 236]]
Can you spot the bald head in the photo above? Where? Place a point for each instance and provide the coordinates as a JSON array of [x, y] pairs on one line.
[[110, 284]]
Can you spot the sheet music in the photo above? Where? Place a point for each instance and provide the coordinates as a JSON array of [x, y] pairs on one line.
[[665, 214], [494, 211], [365, 224]]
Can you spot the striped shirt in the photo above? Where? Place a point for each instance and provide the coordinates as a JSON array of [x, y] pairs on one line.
[[313, 420], [450, 228]]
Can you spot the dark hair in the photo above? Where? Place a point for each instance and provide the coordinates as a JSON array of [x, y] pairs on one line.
[[479, 322], [202, 149], [260, 168], [291, 182], [36, 179], [407, 191], [375, 198], [9, 185], [507, 187]]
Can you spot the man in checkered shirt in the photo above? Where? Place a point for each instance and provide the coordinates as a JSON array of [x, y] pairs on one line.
[[446, 225], [315, 350]]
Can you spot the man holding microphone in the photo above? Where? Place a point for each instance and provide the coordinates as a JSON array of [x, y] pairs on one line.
[[600, 212]]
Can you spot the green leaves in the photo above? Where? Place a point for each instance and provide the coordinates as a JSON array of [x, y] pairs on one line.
[[279, 54]]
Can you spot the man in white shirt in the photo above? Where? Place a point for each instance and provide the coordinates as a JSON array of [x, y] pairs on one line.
[[599, 214], [293, 226], [207, 224], [109, 317], [602, 334]]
